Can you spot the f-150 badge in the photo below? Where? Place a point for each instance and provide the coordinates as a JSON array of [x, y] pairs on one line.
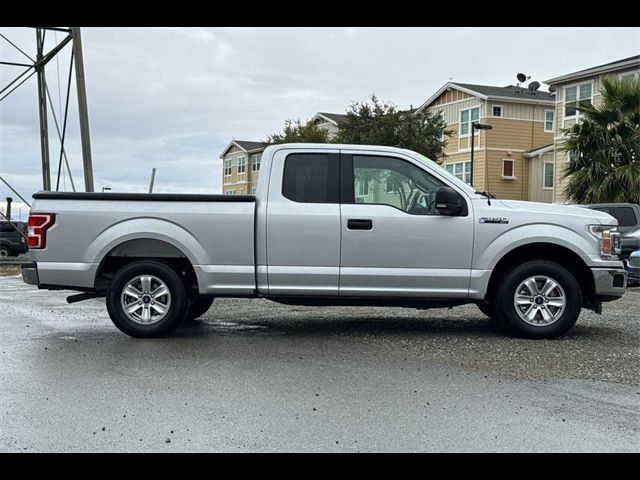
[[494, 220]]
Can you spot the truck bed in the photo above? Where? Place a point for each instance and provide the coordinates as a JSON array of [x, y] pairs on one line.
[[215, 232]]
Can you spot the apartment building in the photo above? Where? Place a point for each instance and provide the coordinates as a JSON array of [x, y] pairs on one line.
[[507, 159], [241, 166], [571, 87]]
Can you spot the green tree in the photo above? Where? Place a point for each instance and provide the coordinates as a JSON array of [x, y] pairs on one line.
[[376, 122], [298, 132], [604, 147]]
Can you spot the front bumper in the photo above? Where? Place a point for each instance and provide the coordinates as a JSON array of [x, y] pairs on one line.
[[30, 273], [609, 282]]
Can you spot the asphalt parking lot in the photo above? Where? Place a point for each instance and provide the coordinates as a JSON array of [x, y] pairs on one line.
[[257, 376]]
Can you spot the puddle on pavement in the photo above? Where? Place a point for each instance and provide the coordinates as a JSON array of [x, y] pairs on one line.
[[227, 326]]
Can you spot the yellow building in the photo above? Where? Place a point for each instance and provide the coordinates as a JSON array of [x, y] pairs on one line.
[[572, 87], [241, 166], [503, 164]]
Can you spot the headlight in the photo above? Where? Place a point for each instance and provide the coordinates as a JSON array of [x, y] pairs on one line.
[[609, 239]]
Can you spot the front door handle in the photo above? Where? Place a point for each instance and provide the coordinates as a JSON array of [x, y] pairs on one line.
[[359, 224]]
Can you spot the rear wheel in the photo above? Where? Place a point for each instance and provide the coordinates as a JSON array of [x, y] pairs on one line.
[[147, 298], [5, 252], [198, 306], [538, 299]]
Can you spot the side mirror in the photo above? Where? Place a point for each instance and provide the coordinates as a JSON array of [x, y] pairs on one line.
[[448, 201]]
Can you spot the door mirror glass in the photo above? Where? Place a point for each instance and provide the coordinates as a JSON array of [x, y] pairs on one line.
[[448, 202]]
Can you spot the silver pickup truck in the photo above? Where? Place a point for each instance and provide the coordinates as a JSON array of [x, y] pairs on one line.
[[329, 225]]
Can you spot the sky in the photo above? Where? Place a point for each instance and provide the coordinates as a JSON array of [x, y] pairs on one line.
[[173, 98]]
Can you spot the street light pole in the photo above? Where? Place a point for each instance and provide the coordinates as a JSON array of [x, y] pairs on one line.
[[476, 126]]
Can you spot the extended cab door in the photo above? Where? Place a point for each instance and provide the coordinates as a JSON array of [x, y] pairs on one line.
[[394, 241], [303, 223]]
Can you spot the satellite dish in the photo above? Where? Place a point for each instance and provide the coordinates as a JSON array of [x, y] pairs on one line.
[[552, 89], [533, 86], [521, 77]]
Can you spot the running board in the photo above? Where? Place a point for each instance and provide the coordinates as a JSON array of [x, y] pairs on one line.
[[83, 296]]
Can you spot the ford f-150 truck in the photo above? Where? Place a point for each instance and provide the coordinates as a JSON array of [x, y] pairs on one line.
[[329, 225]]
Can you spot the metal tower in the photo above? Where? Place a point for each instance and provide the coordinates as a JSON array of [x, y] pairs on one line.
[[37, 66]]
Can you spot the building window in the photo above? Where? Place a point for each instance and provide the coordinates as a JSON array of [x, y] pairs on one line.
[[230, 192], [467, 117], [508, 169], [255, 162], [241, 165], [227, 167], [548, 120], [629, 76], [496, 110], [253, 191], [547, 181], [388, 188], [362, 188], [462, 170], [576, 93], [573, 156]]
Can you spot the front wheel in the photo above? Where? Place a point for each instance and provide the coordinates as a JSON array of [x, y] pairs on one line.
[[5, 252], [198, 306], [538, 299], [147, 299]]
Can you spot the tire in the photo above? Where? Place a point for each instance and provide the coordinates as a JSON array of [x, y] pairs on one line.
[[488, 309], [6, 252], [198, 306], [147, 320], [547, 316]]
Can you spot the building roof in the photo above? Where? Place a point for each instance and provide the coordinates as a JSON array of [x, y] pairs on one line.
[[249, 146], [539, 150], [491, 92], [511, 91], [605, 67], [334, 118], [244, 145]]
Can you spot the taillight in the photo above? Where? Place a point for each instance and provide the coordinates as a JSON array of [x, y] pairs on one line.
[[38, 225]]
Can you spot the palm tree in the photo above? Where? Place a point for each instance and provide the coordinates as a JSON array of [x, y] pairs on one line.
[[604, 147]]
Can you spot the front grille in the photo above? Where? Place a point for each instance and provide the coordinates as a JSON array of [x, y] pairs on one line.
[[618, 280]]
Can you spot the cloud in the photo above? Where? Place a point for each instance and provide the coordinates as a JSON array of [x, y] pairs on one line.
[[172, 98]]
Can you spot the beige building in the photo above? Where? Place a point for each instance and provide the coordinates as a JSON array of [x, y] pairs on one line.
[[581, 85], [240, 167], [328, 121], [506, 158]]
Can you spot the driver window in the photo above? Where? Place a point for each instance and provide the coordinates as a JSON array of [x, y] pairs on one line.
[[394, 182]]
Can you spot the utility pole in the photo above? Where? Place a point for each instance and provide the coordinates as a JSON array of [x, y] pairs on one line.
[[153, 179], [42, 101], [82, 110]]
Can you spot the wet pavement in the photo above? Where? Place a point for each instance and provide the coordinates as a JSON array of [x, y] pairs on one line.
[[257, 376]]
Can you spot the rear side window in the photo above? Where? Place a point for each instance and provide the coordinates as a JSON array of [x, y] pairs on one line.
[[625, 215], [311, 178]]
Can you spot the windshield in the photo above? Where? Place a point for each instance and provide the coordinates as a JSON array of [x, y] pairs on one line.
[[450, 176]]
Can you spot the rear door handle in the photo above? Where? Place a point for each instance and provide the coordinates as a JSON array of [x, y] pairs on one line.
[[359, 224]]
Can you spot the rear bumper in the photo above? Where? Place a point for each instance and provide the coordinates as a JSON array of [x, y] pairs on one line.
[[30, 273], [610, 283]]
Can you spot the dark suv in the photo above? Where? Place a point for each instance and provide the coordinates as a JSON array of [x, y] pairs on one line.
[[12, 243]]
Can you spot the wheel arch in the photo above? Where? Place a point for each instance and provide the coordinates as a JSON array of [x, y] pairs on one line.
[[144, 249], [544, 251]]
